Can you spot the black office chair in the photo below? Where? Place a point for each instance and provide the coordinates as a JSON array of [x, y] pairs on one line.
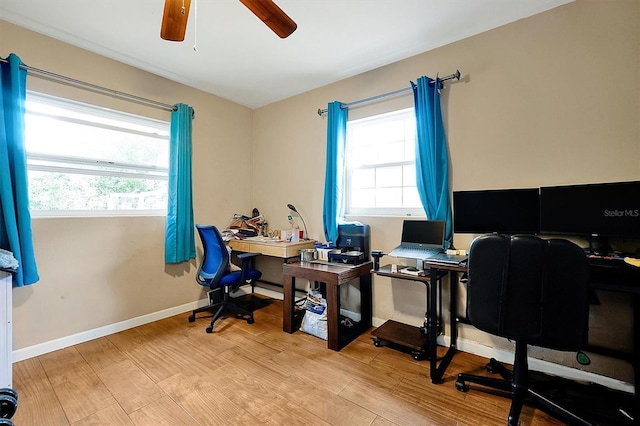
[[532, 291], [216, 273]]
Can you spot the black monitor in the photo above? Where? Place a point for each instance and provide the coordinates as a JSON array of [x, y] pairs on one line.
[[596, 210], [505, 211]]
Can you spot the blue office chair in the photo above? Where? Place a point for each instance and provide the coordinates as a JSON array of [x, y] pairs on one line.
[[215, 272]]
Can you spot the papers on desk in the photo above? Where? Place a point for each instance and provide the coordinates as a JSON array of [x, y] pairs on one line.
[[264, 239]]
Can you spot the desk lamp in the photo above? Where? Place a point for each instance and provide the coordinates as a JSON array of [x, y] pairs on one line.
[[293, 209]]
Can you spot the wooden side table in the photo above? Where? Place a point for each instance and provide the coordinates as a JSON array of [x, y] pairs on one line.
[[333, 275]]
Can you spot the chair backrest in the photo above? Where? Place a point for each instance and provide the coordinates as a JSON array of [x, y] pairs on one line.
[[215, 261], [529, 289]]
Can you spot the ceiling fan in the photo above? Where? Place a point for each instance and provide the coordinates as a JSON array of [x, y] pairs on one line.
[[176, 13]]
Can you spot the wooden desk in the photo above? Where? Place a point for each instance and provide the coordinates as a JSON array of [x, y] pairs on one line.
[[333, 275], [288, 252], [282, 249], [618, 277], [436, 272]]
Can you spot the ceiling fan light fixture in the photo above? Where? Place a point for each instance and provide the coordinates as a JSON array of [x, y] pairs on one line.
[[174, 19], [274, 17]]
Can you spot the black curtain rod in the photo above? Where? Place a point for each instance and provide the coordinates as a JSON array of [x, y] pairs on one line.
[[455, 75], [47, 74]]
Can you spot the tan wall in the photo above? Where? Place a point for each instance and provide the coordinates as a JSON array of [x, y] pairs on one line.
[[99, 271], [548, 100], [552, 99]]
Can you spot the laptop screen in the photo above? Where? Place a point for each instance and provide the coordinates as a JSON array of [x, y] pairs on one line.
[[427, 232]]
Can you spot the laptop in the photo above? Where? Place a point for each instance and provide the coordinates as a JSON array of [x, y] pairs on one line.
[[424, 240], [421, 239]]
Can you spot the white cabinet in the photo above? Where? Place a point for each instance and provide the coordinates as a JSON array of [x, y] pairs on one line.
[[6, 338]]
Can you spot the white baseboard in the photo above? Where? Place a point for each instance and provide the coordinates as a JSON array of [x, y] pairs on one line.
[[85, 336], [278, 295], [506, 356]]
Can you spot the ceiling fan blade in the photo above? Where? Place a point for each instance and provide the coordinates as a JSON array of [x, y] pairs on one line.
[[272, 16], [174, 19]]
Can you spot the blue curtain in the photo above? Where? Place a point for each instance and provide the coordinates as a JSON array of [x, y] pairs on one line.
[[432, 157], [15, 219], [180, 245], [333, 208]]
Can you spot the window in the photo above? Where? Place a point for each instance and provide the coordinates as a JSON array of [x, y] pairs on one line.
[[87, 160], [381, 172]]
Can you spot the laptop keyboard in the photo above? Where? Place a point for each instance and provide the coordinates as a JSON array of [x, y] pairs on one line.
[[414, 253]]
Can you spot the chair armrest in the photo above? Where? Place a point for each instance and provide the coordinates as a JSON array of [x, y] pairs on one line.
[[247, 263]]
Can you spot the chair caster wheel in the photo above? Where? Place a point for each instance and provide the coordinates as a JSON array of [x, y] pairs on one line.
[[209, 330], [192, 318], [417, 357], [490, 368], [376, 342], [250, 320], [462, 386]]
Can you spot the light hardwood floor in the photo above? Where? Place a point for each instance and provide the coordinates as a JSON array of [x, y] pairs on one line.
[[171, 372]]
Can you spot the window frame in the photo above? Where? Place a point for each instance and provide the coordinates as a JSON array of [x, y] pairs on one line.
[[348, 193], [92, 164]]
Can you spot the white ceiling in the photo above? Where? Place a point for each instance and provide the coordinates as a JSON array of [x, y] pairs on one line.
[[240, 59]]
